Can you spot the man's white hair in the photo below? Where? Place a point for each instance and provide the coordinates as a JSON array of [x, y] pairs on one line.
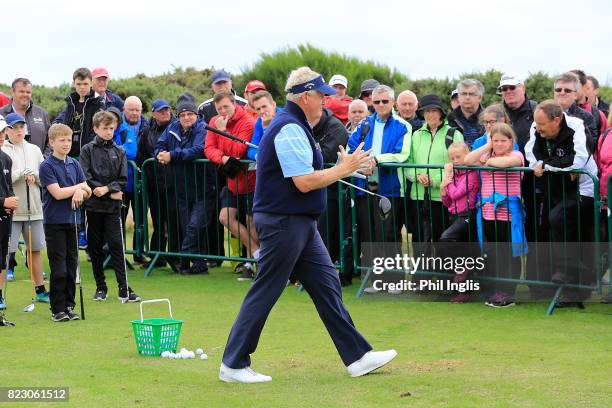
[[133, 100], [296, 77]]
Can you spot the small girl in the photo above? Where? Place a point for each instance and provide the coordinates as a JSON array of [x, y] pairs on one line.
[[459, 192], [501, 214]]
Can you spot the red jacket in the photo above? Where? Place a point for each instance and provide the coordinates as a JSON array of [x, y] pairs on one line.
[[240, 125], [339, 107], [4, 100]]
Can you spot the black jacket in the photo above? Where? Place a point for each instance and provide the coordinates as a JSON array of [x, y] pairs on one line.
[[456, 116], [521, 120], [154, 172], [6, 185], [590, 127], [603, 106], [104, 164], [93, 104], [330, 133], [207, 109]]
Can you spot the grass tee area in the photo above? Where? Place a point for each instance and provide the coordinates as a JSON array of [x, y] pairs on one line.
[[450, 355]]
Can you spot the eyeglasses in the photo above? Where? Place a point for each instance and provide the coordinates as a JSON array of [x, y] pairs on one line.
[[366, 94], [564, 90], [470, 94], [508, 88], [383, 101], [490, 122]]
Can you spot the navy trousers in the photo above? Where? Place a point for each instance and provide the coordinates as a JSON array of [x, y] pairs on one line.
[[291, 243]]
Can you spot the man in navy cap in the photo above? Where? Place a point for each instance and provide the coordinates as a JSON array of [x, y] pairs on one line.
[[289, 198], [160, 189]]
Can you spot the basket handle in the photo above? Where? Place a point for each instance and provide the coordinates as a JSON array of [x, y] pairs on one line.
[[155, 301]]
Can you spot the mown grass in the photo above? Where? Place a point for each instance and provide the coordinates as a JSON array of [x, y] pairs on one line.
[[449, 355]]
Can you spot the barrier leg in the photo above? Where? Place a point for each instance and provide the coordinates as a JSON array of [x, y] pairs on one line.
[[364, 282], [151, 265], [553, 302]]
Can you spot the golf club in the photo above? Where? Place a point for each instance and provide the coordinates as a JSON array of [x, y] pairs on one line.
[[3, 321], [384, 205], [78, 268], [127, 287], [31, 306]]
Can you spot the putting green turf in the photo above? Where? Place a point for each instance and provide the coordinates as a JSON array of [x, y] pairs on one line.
[[449, 355]]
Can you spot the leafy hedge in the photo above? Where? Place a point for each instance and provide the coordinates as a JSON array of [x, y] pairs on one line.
[[273, 69]]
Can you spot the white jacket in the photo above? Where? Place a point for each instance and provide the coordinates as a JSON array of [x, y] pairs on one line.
[[25, 156]]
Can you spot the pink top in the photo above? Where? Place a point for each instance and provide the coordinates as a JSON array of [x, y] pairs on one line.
[[503, 182], [462, 193], [603, 157]]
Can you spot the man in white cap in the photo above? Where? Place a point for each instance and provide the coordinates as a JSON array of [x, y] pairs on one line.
[[289, 197], [517, 106], [338, 104]]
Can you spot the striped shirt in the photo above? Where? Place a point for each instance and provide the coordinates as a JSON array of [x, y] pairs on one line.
[[503, 182]]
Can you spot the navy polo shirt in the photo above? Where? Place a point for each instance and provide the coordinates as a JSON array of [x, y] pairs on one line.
[[66, 174]]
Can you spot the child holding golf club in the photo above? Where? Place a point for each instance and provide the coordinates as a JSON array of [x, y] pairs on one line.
[[8, 203], [28, 218], [106, 168], [64, 191]]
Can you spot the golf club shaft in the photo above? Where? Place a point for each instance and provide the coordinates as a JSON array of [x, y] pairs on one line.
[[360, 189], [78, 271], [30, 252], [230, 136]]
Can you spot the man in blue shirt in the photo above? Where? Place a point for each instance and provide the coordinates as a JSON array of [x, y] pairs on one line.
[[289, 197]]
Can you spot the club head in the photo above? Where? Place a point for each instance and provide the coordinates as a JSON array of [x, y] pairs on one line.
[[29, 308], [384, 206], [4, 322]]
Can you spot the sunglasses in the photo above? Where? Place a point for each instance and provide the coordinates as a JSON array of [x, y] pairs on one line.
[[564, 90], [508, 88], [383, 101]]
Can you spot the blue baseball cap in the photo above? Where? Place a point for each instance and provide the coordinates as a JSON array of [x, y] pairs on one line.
[[220, 75], [13, 118], [316, 84], [159, 104]]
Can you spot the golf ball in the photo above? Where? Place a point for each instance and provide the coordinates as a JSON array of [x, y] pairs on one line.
[[165, 354], [199, 352], [191, 354], [204, 356], [183, 350]]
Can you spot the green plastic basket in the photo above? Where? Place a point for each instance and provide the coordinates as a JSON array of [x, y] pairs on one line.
[[155, 335]]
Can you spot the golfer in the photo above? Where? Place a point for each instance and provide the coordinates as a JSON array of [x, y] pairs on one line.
[[289, 197]]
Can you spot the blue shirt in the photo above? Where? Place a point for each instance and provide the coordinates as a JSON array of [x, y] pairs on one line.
[[66, 174], [293, 151]]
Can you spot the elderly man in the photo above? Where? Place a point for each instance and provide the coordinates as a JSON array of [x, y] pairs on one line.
[[338, 104], [220, 80], [365, 93], [565, 94], [289, 197], [160, 186], [100, 85], [558, 144], [138, 126], [37, 120], [407, 105], [465, 117], [591, 90], [358, 111], [179, 145]]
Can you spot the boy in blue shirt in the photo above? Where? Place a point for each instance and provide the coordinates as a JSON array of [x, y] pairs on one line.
[[64, 191]]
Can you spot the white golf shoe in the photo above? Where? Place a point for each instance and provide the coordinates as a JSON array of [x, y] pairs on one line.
[[241, 375], [370, 362]]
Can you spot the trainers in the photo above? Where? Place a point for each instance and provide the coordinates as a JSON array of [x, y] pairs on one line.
[[10, 275], [128, 296], [71, 314], [82, 240], [60, 317], [195, 270], [242, 375], [239, 268], [370, 361], [2, 304], [500, 301], [43, 297], [101, 294], [246, 273]]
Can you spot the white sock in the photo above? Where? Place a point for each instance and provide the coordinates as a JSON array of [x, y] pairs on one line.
[[256, 254], [248, 265]]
